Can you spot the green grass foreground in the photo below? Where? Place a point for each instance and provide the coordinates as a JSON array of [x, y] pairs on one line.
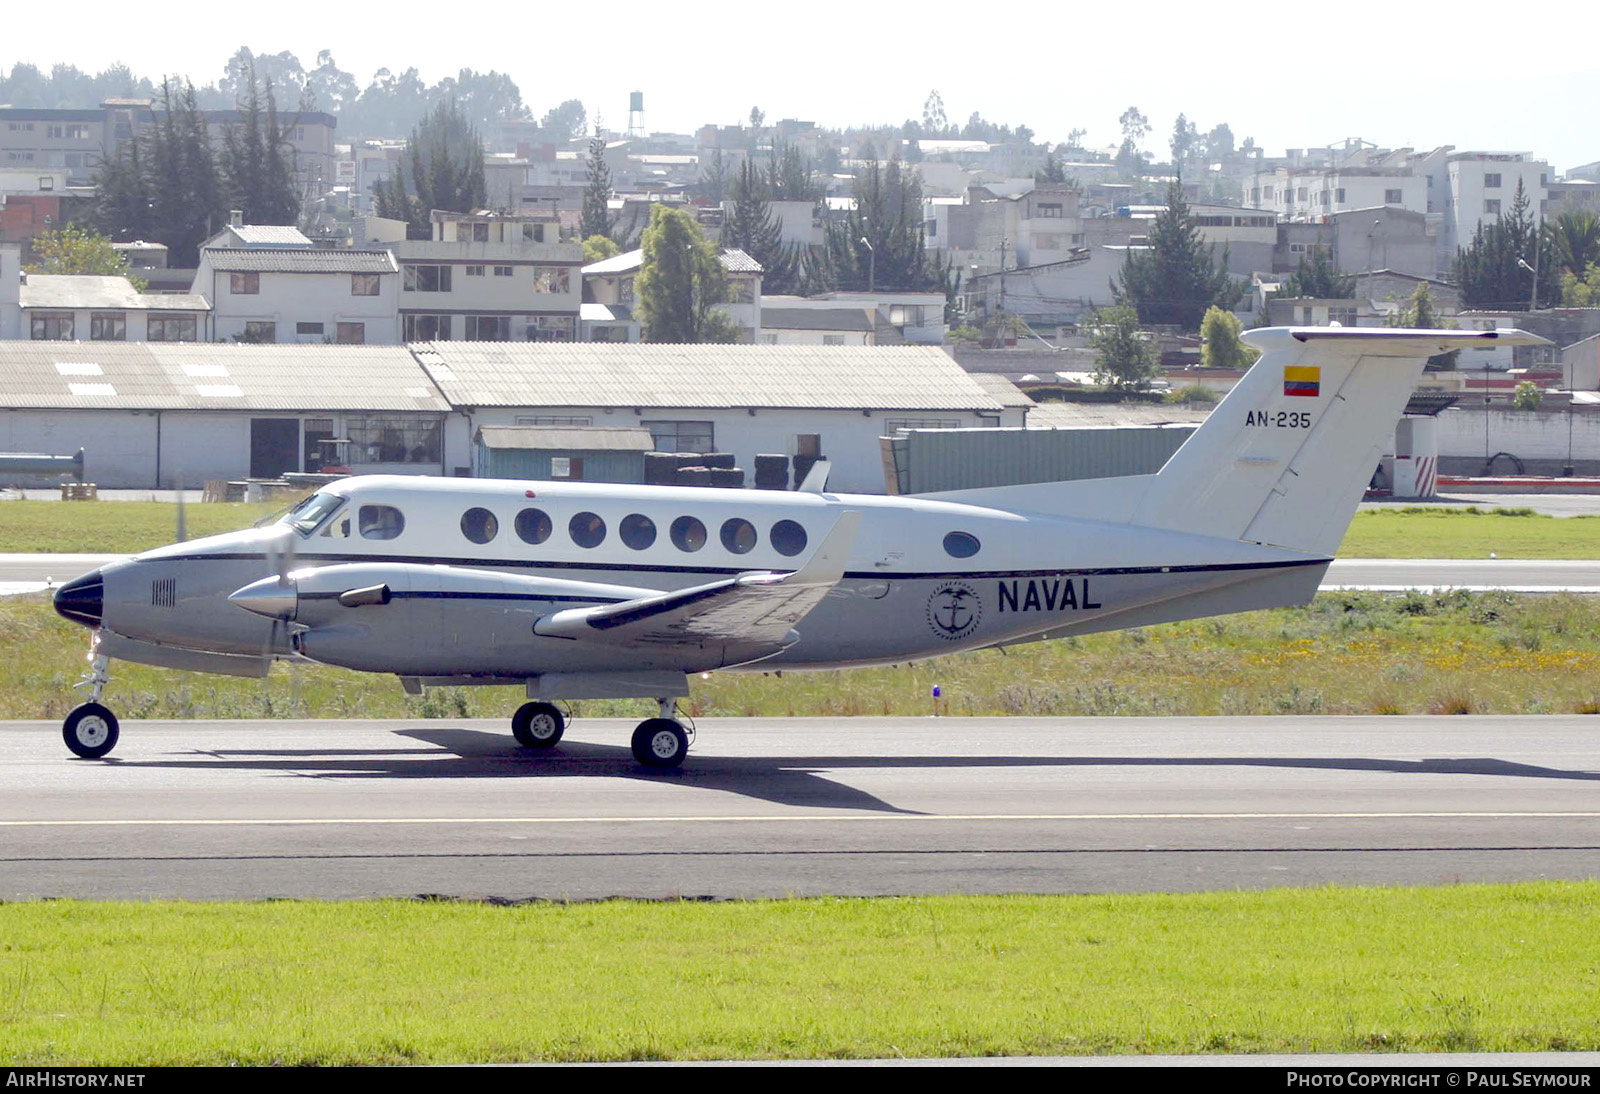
[[1348, 653], [116, 527], [1487, 968]]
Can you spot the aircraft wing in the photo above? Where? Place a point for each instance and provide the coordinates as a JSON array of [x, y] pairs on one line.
[[755, 608]]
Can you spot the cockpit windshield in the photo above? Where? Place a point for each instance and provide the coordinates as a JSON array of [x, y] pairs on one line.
[[310, 513]]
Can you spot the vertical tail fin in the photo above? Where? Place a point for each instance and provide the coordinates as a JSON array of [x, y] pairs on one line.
[[1285, 458]]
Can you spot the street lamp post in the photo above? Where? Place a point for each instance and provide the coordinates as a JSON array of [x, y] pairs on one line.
[[872, 265]]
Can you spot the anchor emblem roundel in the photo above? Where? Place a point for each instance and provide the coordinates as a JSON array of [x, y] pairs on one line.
[[954, 610]]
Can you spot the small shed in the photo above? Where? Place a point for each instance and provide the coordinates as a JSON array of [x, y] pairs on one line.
[[586, 454]]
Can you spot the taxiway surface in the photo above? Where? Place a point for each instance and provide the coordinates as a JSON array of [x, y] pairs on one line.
[[210, 810]]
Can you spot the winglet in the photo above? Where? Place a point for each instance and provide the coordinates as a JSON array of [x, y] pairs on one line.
[[816, 480], [826, 564]]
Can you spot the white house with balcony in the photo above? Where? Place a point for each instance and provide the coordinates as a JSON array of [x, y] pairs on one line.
[[611, 282], [490, 277], [294, 294]]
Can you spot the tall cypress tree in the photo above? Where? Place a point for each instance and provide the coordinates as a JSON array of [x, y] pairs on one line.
[[596, 214], [1178, 277]]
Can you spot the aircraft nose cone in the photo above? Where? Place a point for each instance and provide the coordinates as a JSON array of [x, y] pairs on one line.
[[273, 597], [82, 599]]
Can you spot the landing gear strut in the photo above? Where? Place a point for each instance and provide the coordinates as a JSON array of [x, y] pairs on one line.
[[90, 731], [537, 725], [661, 742]]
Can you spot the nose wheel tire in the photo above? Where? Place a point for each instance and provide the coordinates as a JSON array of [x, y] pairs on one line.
[[660, 742], [537, 725], [90, 731]]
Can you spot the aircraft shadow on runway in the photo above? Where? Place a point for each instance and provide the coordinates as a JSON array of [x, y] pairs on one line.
[[786, 780]]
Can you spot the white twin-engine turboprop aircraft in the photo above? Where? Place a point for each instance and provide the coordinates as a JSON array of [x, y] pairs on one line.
[[583, 591]]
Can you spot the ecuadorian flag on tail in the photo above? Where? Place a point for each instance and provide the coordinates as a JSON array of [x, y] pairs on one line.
[[1302, 380]]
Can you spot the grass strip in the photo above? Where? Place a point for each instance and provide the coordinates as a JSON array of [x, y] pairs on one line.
[[1473, 967], [1348, 653], [1437, 532], [115, 527]]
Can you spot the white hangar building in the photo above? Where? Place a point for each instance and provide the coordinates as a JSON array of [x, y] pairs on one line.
[[152, 414], [833, 401]]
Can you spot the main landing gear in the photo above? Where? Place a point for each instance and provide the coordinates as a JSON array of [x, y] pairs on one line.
[[537, 725], [90, 731], [661, 742]]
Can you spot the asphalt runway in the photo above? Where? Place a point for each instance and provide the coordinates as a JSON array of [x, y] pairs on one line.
[[211, 810]]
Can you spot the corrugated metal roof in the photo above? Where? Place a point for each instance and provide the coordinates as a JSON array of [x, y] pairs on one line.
[[849, 319], [290, 260], [202, 376], [269, 235], [604, 313], [736, 261], [91, 291], [733, 261], [1004, 391], [567, 438], [478, 374], [1112, 415]]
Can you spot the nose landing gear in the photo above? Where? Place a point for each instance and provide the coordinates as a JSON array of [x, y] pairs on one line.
[[90, 731]]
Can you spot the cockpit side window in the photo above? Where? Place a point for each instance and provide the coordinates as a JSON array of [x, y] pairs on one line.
[[311, 512], [381, 522]]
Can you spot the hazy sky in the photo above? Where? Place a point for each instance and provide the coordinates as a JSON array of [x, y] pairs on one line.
[[1423, 77]]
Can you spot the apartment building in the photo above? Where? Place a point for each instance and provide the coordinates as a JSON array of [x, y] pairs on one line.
[[490, 277]]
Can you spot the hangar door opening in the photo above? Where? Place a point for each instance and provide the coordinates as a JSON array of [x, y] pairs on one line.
[[274, 447]]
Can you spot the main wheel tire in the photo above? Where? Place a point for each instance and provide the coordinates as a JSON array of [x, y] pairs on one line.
[[660, 742], [90, 731], [537, 725]]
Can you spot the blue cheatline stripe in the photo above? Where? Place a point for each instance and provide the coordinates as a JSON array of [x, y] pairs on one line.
[[859, 575]]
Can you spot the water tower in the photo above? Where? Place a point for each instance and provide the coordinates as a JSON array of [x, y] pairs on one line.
[[635, 113]]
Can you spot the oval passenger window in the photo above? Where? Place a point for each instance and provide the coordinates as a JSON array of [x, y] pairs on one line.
[[479, 525], [533, 526], [637, 531], [738, 535], [788, 538], [587, 529], [688, 534], [381, 522], [961, 545]]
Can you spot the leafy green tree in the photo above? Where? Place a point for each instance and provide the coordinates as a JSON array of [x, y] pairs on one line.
[[1581, 292], [596, 215], [566, 121], [1178, 277], [1219, 341], [1526, 396], [599, 248], [1185, 138], [1319, 278], [1125, 359], [1135, 128], [1572, 242], [1419, 313], [680, 282], [73, 250]]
